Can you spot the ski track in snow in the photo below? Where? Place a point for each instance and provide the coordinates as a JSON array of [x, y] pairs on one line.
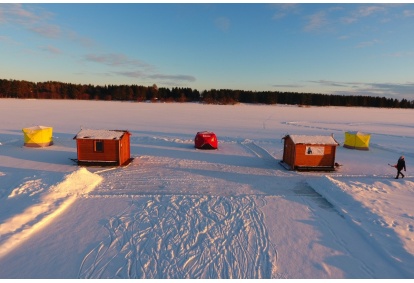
[[184, 237]]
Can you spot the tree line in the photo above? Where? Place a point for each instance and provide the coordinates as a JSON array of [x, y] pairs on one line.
[[61, 90]]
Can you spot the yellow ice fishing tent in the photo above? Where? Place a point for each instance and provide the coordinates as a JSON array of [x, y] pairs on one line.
[[38, 136], [357, 140]]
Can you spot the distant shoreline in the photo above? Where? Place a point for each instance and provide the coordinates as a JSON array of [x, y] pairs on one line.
[[137, 93]]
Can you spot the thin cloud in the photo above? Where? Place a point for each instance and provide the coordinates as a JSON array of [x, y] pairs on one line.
[[116, 60], [131, 74], [316, 21], [400, 54], [144, 75], [140, 69], [51, 50], [284, 10], [84, 41], [344, 37], [408, 13], [330, 83], [337, 83], [395, 89], [8, 40], [186, 78], [37, 20], [371, 89], [288, 85], [160, 78], [33, 20], [15, 13], [50, 31], [364, 44], [366, 11], [222, 23], [362, 12]]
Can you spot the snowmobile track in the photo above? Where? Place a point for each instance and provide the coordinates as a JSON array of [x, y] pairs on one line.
[[260, 152]]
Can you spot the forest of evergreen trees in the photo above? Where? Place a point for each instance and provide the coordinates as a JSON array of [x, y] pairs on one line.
[[60, 90]]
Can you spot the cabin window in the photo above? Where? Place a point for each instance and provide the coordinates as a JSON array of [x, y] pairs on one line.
[[315, 150], [98, 146]]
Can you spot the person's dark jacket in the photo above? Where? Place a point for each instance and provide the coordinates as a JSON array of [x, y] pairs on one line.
[[401, 164]]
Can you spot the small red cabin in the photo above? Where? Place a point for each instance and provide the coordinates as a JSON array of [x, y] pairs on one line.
[[206, 140], [103, 147], [309, 152]]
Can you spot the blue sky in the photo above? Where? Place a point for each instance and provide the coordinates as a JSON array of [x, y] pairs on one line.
[[359, 49]]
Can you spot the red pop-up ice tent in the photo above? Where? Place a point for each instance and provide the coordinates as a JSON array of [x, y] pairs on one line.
[[206, 140]]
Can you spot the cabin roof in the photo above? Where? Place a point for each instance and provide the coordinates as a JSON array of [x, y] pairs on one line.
[[303, 139], [100, 134]]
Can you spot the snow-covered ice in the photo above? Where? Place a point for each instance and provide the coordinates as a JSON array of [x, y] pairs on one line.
[[177, 212]]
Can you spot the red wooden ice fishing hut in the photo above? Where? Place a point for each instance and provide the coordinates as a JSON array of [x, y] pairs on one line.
[[302, 152], [205, 140], [103, 147]]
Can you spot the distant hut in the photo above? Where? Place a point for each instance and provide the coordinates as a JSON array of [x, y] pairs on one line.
[[357, 140], [103, 147], [205, 140], [38, 136], [316, 153]]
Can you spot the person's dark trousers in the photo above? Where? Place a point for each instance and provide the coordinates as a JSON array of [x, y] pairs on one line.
[[398, 174]]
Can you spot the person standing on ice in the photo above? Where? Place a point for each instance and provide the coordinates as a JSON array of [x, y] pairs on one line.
[[400, 166]]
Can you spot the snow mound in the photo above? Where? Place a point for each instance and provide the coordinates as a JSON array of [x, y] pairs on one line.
[[53, 202]]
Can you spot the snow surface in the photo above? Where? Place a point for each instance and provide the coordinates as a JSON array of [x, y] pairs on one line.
[[99, 134], [308, 139], [178, 212]]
